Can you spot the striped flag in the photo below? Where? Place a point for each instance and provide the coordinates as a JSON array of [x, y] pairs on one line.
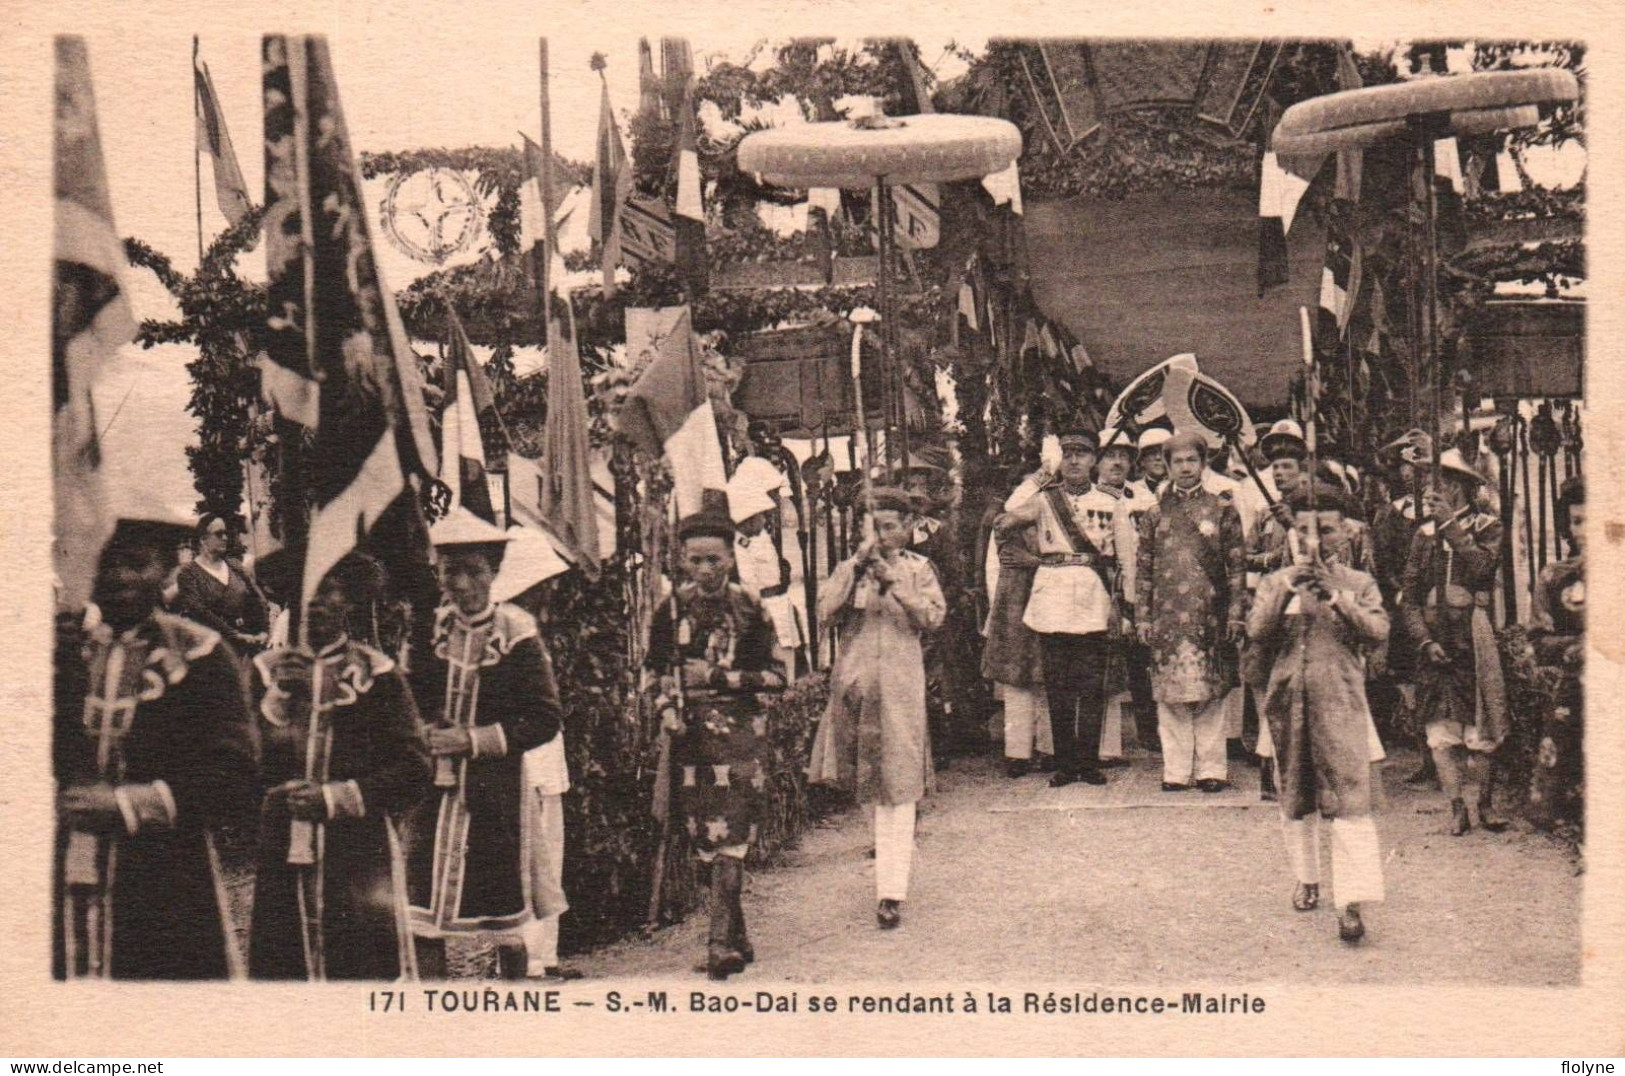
[[1350, 162], [473, 439], [565, 497], [548, 268], [1340, 280], [1450, 226], [1281, 186], [611, 186], [337, 367], [668, 409], [689, 218], [918, 206], [213, 139], [649, 101], [90, 321]]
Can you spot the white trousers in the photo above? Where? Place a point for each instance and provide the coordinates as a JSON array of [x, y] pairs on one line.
[[544, 830], [1026, 723], [1111, 726], [1356, 859], [894, 850], [1192, 735]]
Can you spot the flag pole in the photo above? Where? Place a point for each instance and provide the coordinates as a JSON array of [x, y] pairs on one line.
[[606, 228], [545, 181], [1311, 405], [197, 166]]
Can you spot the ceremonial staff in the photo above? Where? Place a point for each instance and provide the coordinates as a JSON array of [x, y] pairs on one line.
[[860, 317], [90, 861], [1311, 392], [673, 714]]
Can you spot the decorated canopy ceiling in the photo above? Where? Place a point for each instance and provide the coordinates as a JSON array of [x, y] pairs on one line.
[[1153, 275]]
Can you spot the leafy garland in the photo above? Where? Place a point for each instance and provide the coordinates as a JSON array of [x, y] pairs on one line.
[[223, 315]]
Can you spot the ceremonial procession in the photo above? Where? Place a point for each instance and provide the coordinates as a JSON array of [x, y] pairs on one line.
[[794, 510]]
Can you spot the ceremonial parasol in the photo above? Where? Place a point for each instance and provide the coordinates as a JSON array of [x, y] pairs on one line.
[[1425, 109], [877, 153]]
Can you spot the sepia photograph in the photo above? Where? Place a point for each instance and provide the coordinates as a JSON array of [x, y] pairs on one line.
[[694, 522]]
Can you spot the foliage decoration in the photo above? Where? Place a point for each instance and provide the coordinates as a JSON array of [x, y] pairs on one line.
[[223, 315]]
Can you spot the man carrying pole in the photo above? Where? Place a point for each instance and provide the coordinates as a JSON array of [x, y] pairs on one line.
[[872, 740], [1445, 597], [343, 753], [712, 646], [1309, 623]]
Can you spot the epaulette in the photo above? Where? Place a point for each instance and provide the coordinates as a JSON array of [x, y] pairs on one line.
[[513, 626], [376, 661], [1114, 494]]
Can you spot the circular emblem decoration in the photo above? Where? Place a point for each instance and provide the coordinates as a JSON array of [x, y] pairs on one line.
[[432, 214]]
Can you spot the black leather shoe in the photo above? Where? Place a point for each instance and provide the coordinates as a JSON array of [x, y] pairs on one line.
[[1426, 776], [1350, 927], [889, 914], [1175, 786], [1212, 784], [1488, 818], [1061, 778], [1017, 768], [721, 962], [1092, 777], [1306, 898]]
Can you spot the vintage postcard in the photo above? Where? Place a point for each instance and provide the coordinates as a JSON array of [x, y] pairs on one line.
[[1007, 529]]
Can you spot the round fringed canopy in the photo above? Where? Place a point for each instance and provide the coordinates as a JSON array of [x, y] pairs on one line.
[[906, 149], [1477, 103]]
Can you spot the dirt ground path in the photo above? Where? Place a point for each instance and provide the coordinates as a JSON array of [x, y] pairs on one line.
[[1141, 895]]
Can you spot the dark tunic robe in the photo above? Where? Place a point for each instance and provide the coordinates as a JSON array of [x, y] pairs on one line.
[[1391, 533], [1556, 631], [1445, 598], [1190, 584], [232, 608], [374, 745], [188, 750], [1315, 699], [957, 698], [468, 867], [724, 757], [1012, 654]]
